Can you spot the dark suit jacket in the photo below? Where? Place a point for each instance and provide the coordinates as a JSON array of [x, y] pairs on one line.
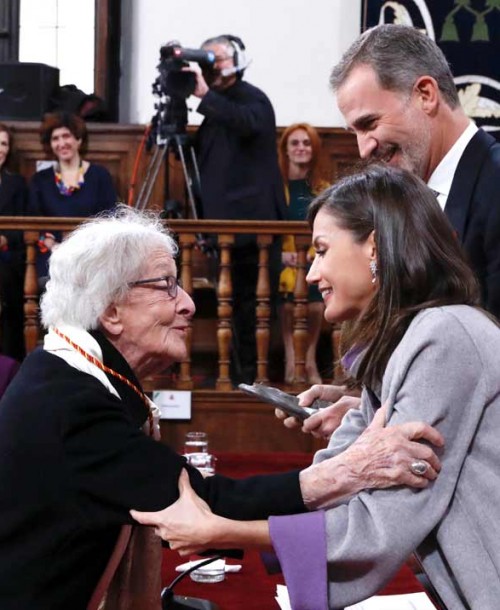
[[237, 157], [473, 207], [73, 462], [13, 202]]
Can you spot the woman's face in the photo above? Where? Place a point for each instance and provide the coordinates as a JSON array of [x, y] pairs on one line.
[[341, 269], [299, 147], [64, 144], [4, 147], [153, 324]]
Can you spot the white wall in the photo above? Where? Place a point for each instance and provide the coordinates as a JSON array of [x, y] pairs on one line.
[[292, 43]]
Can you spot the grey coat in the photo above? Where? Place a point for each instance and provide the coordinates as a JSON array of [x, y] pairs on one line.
[[446, 372]]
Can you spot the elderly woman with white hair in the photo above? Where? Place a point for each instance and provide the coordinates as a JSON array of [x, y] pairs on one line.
[[76, 427]]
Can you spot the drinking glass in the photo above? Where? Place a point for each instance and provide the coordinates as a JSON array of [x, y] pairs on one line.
[[196, 442], [204, 462], [210, 573]]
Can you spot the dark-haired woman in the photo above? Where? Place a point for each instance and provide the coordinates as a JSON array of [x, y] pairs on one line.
[[13, 195], [388, 263], [72, 188]]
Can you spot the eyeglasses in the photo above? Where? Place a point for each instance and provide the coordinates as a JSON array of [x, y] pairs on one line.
[[168, 282]]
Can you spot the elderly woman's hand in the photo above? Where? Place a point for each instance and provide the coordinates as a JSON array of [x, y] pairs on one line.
[[381, 457], [189, 525]]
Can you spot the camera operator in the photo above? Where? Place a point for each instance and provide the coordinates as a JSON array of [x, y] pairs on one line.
[[240, 179]]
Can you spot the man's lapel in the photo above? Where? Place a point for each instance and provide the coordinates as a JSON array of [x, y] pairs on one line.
[[464, 182]]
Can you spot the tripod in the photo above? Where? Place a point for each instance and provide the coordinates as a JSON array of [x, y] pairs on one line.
[[180, 145]]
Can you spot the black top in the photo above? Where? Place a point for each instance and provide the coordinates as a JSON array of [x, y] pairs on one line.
[[73, 462], [237, 157], [13, 202]]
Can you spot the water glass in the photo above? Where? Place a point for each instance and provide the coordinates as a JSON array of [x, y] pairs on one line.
[[210, 573], [204, 462], [196, 442]]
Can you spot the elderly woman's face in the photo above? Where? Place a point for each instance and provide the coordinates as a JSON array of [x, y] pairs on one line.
[[154, 323], [341, 269]]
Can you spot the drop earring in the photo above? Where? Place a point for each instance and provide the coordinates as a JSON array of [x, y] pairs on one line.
[[373, 270]]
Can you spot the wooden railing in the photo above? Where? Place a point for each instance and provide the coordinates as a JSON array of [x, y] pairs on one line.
[[187, 232]]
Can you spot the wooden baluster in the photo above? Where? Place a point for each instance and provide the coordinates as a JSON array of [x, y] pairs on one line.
[[300, 310], [31, 326], [224, 312], [186, 241], [263, 309]]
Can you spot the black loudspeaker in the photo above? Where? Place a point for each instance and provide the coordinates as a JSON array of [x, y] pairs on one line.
[[27, 90]]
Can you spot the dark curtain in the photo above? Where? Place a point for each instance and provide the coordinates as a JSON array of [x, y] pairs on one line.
[[9, 30]]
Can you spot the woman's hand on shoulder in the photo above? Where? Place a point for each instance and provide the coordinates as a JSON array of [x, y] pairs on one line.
[[188, 525]]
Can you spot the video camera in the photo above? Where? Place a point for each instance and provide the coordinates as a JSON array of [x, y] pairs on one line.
[[173, 86]]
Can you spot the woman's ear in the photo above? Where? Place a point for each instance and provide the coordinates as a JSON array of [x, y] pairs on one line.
[[371, 246], [111, 321]]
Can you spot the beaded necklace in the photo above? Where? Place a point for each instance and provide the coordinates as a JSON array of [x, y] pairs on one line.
[[119, 376], [63, 188]]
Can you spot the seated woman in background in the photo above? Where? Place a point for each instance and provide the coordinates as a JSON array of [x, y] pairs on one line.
[[388, 263], [73, 187], [13, 196], [116, 314], [300, 163]]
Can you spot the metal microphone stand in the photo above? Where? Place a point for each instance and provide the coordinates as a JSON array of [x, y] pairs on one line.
[[169, 601]]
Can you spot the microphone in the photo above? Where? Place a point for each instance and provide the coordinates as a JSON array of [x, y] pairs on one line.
[[169, 601], [235, 69]]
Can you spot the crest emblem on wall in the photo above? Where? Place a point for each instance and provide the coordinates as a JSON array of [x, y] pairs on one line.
[[468, 33]]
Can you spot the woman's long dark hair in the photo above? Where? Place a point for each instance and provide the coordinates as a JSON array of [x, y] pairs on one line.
[[420, 261]]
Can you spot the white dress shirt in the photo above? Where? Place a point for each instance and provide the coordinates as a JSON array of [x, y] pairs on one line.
[[442, 177]]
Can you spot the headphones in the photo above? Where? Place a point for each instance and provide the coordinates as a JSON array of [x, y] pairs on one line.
[[239, 58]]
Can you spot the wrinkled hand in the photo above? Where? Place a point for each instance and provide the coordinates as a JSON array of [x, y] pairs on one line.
[[381, 456], [187, 525]]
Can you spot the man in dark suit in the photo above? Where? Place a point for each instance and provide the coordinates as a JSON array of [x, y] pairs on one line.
[[396, 92], [240, 179]]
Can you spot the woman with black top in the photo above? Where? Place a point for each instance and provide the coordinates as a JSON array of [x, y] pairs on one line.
[[12, 203]]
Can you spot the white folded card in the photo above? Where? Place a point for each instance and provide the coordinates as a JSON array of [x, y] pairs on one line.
[[190, 564], [408, 601]]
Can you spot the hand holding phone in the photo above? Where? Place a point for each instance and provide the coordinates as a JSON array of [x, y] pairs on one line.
[[286, 402]]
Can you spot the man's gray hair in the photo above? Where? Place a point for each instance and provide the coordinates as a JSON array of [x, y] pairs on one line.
[[224, 40], [93, 266], [398, 55]]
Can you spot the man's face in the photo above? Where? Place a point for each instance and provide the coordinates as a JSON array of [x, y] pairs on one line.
[[224, 60], [390, 126]]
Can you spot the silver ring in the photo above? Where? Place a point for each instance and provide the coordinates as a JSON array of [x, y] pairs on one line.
[[419, 468]]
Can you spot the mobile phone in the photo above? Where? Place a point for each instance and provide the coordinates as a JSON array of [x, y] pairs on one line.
[[286, 402]]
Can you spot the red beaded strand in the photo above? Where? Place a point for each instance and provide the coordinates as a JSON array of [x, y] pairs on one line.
[[119, 376]]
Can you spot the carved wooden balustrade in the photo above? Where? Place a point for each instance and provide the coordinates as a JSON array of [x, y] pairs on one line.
[[187, 233]]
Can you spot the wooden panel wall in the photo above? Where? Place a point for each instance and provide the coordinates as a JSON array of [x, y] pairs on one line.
[[233, 422], [115, 146]]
